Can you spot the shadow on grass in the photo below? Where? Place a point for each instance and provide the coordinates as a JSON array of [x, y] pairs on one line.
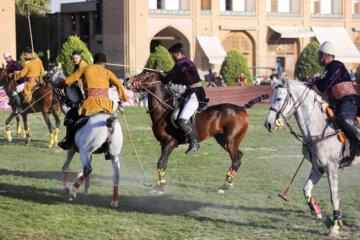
[[152, 204], [20, 141]]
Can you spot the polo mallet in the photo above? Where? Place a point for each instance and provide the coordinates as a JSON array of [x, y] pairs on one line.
[[284, 196], [146, 181]]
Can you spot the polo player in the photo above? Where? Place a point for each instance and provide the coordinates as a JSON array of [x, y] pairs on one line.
[[96, 79]]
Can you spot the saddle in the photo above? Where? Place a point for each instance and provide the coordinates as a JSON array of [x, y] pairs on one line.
[[28, 98], [348, 156], [81, 122], [178, 107]]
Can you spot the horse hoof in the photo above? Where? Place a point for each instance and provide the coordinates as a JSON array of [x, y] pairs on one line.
[[50, 146], [72, 196], [334, 232], [18, 134], [220, 191], [114, 204], [86, 191], [9, 139], [326, 220], [224, 188]]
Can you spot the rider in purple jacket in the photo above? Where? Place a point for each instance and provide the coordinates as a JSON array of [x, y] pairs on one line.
[[342, 96], [185, 73]]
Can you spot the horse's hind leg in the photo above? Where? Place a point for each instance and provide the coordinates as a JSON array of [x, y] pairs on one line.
[[7, 124], [69, 155], [116, 179], [334, 193], [48, 123], [315, 209], [235, 154]]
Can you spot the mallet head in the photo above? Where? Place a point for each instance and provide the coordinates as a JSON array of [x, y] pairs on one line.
[[283, 197]]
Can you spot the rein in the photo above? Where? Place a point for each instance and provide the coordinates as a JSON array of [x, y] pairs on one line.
[[300, 137], [154, 83]]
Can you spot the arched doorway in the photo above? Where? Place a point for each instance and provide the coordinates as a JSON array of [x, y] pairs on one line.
[[169, 36], [282, 54], [242, 42]]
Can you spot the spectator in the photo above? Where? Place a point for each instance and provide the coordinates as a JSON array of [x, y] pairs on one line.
[[212, 84], [352, 75], [242, 81], [273, 77], [218, 79], [223, 84], [210, 76]]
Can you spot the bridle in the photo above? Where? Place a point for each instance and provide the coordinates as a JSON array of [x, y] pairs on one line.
[[142, 84]]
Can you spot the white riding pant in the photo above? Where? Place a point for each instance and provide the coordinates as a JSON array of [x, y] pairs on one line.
[[190, 107]]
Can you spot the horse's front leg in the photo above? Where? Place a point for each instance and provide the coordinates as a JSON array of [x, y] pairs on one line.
[[57, 125], [161, 167], [26, 128], [337, 223], [69, 155], [315, 209], [116, 179], [18, 126], [7, 124], [48, 123]]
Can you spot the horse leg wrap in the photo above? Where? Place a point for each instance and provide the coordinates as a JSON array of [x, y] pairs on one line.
[[161, 179], [229, 178], [315, 209], [337, 218], [115, 194], [78, 183], [56, 136], [87, 185], [18, 129], [51, 141], [66, 180], [27, 134], [8, 132]]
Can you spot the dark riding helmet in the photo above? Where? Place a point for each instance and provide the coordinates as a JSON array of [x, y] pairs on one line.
[[99, 58], [28, 50], [177, 47], [75, 53]]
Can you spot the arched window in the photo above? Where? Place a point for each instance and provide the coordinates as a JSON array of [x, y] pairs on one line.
[[241, 42]]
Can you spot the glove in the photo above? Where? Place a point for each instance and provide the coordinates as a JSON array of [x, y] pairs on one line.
[[311, 82]]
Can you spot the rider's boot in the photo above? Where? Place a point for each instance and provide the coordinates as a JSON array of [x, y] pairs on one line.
[[351, 129], [68, 141], [185, 126]]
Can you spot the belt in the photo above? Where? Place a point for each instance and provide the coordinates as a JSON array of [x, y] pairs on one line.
[[343, 89], [32, 80], [195, 85], [97, 92]]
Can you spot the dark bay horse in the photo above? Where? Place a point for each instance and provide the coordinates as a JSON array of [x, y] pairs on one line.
[[227, 123], [42, 101]]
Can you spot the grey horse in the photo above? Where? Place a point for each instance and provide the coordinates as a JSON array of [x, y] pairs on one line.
[[321, 145]]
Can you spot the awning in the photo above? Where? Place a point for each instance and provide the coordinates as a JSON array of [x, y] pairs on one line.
[[292, 31], [212, 48], [346, 51]]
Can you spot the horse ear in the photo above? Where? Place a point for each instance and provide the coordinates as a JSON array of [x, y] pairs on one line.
[[59, 65]]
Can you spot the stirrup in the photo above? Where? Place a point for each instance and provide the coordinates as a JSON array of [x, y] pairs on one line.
[[65, 144]]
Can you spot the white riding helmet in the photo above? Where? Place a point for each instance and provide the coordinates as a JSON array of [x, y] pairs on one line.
[[6, 54], [328, 48]]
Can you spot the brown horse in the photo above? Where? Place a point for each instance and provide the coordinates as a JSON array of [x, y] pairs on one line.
[[42, 101], [227, 123]]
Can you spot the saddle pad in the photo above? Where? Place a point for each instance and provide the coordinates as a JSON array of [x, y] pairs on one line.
[[28, 97], [83, 120]]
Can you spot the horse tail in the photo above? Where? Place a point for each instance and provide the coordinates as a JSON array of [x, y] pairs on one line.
[[110, 122], [256, 100]]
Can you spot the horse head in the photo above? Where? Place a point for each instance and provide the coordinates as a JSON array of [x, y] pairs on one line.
[[143, 81], [4, 77], [55, 75], [284, 103]]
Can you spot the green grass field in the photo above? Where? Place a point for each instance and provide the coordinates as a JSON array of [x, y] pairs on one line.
[[32, 205]]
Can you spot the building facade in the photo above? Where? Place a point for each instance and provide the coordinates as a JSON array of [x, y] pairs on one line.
[[8, 30], [270, 33]]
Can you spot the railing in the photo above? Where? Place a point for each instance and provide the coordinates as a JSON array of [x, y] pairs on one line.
[[238, 13], [327, 15], [169, 12], [283, 14], [206, 12]]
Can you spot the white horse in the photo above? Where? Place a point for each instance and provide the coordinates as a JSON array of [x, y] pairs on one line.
[[101, 134], [319, 137]]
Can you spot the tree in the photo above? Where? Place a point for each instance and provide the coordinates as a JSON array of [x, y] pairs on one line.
[[307, 63], [37, 6], [234, 64], [357, 75], [65, 56], [162, 58]]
